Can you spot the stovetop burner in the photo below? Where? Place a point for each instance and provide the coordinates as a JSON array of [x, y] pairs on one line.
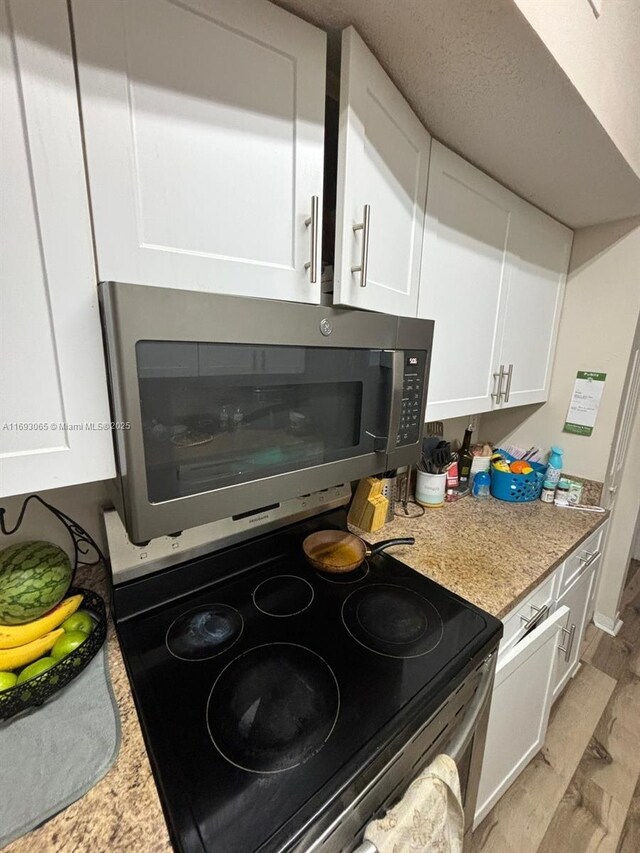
[[346, 578], [392, 620], [204, 632], [273, 707], [268, 719], [283, 595]]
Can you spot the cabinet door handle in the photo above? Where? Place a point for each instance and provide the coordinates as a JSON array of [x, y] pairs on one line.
[[498, 384], [508, 389], [364, 255], [312, 221], [589, 559], [539, 614], [567, 649]]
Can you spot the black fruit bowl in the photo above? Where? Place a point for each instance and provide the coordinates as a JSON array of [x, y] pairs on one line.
[[37, 690]]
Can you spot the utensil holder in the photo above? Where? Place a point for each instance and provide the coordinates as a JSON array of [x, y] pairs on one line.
[[430, 489]]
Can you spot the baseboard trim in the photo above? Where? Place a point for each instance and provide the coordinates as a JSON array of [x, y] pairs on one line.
[[609, 626]]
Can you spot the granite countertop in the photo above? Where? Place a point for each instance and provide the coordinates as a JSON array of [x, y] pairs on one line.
[[487, 551]]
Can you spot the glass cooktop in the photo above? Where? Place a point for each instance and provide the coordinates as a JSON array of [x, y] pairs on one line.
[[263, 686]]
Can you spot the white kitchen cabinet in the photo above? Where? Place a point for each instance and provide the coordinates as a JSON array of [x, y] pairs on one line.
[[462, 279], [575, 600], [589, 553], [492, 277], [580, 559], [204, 133], [520, 706], [597, 574], [518, 622], [383, 165], [55, 410], [538, 655], [538, 259]]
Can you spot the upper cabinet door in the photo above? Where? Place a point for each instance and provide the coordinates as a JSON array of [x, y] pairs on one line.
[[539, 249], [204, 130], [52, 384], [464, 262], [383, 165]]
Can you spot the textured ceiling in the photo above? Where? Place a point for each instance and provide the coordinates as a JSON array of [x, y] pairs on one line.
[[483, 83], [601, 57]]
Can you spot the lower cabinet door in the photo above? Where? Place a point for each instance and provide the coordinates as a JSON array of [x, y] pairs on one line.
[[520, 707], [576, 601]]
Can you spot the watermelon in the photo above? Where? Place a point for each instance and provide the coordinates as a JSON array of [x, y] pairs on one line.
[[34, 577]]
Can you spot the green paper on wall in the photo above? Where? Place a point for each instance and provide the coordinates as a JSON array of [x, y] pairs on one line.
[[585, 401]]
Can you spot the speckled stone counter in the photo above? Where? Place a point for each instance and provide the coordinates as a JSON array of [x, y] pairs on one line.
[[489, 552], [122, 812]]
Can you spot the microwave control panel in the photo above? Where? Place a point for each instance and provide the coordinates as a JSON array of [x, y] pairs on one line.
[[410, 428]]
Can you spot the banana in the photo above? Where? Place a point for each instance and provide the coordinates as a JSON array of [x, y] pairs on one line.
[[12, 636], [22, 655]]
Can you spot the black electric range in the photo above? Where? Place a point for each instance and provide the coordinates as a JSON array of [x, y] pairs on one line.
[[265, 689]]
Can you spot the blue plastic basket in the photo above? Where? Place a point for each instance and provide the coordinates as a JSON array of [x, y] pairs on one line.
[[517, 487]]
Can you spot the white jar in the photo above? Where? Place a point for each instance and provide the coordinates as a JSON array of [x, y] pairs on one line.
[[430, 489]]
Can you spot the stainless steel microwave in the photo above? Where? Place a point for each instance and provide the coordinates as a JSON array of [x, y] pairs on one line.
[[226, 404]]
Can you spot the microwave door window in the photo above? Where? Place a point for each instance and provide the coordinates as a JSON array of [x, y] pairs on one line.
[[217, 415]]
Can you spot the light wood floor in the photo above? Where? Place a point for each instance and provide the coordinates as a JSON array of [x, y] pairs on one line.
[[581, 792]]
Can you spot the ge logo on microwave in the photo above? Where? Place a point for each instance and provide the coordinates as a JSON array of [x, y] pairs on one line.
[[326, 326]]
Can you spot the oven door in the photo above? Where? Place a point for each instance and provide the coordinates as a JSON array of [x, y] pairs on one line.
[[465, 746], [237, 404], [457, 727]]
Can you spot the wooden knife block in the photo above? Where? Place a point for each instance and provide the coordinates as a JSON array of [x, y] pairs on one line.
[[368, 509]]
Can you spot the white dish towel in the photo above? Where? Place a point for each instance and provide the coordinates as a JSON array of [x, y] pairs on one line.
[[428, 819]]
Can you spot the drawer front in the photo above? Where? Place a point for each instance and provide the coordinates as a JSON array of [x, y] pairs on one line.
[[515, 624], [576, 563]]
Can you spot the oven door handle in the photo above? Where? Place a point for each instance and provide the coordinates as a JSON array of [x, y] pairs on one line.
[[456, 747]]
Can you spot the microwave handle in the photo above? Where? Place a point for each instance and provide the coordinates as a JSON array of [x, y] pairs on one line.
[[391, 360], [397, 383]]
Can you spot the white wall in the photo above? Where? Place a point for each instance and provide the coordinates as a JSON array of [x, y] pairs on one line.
[[600, 55], [83, 503], [454, 428], [597, 325]]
